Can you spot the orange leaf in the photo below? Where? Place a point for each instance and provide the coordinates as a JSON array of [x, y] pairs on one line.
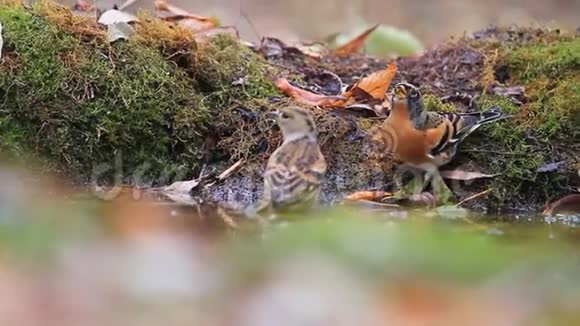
[[356, 44], [368, 195], [375, 84], [304, 96]]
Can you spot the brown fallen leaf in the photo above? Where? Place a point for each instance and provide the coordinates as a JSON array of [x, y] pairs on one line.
[[313, 50], [368, 93], [356, 44], [184, 18], [368, 195], [569, 204], [509, 91], [465, 175], [306, 97], [374, 85]]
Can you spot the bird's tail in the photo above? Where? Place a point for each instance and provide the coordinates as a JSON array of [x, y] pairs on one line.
[[472, 121]]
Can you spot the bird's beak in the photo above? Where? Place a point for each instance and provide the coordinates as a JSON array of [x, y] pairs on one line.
[[400, 92]]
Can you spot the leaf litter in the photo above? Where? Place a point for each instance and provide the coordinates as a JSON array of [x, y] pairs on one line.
[[368, 93]]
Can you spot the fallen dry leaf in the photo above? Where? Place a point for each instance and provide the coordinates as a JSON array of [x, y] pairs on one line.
[[550, 167], [314, 50], [181, 186], [307, 97], [374, 85], [465, 175], [184, 18], [368, 93], [119, 30], [569, 204], [368, 195], [356, 44], [273, 48], [509, 91], [114, 16]]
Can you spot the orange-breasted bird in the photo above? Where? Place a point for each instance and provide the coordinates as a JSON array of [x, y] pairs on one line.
[[422, 139], [295, 170], [459, 125]]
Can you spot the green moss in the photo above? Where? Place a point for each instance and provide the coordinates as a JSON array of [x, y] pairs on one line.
[[229, 71], [552, 60], [547, 64], [81, 102], [516, 151], [434, 103]]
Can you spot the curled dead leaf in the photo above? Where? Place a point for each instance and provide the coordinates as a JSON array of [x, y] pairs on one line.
[[377, 83], [509, 91], [550, 167], [184, 18], [368, 93], [356, 44], [368, 195], [569, 204], [118, 31], [306, 97], [114, 16], [465, 175]]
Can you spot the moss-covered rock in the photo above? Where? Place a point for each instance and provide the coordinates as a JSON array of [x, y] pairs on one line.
[[74, 99], [163, 104], [544, 128]]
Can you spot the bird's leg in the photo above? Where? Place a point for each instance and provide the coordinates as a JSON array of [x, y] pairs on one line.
[[403, 191], [440, 189]]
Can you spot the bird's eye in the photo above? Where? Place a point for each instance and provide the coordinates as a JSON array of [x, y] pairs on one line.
[[285, 116], [413, 93]]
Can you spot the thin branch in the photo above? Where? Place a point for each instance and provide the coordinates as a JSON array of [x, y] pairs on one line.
[[479, 194]]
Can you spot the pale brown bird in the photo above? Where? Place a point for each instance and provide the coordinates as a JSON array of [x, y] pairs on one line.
[[295, 170]]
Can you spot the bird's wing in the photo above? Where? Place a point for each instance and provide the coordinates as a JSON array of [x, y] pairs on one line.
[[457, 126], [294, 169]]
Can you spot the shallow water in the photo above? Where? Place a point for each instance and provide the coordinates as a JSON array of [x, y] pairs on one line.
[[103, 260]]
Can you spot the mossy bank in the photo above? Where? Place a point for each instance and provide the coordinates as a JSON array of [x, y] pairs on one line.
[[161, 106]]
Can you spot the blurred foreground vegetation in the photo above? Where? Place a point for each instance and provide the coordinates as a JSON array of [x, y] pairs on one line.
[[144, 262]]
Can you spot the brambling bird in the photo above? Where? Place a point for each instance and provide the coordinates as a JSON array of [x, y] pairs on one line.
[[295, 170], [425, 140], [458, 125]]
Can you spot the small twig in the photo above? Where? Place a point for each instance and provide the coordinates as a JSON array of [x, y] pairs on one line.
[[370, 202], [225, 174], [479, 194], [493, 152], [229, 171]]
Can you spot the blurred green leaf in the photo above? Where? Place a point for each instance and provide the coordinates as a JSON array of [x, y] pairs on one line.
[[383, 41]]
